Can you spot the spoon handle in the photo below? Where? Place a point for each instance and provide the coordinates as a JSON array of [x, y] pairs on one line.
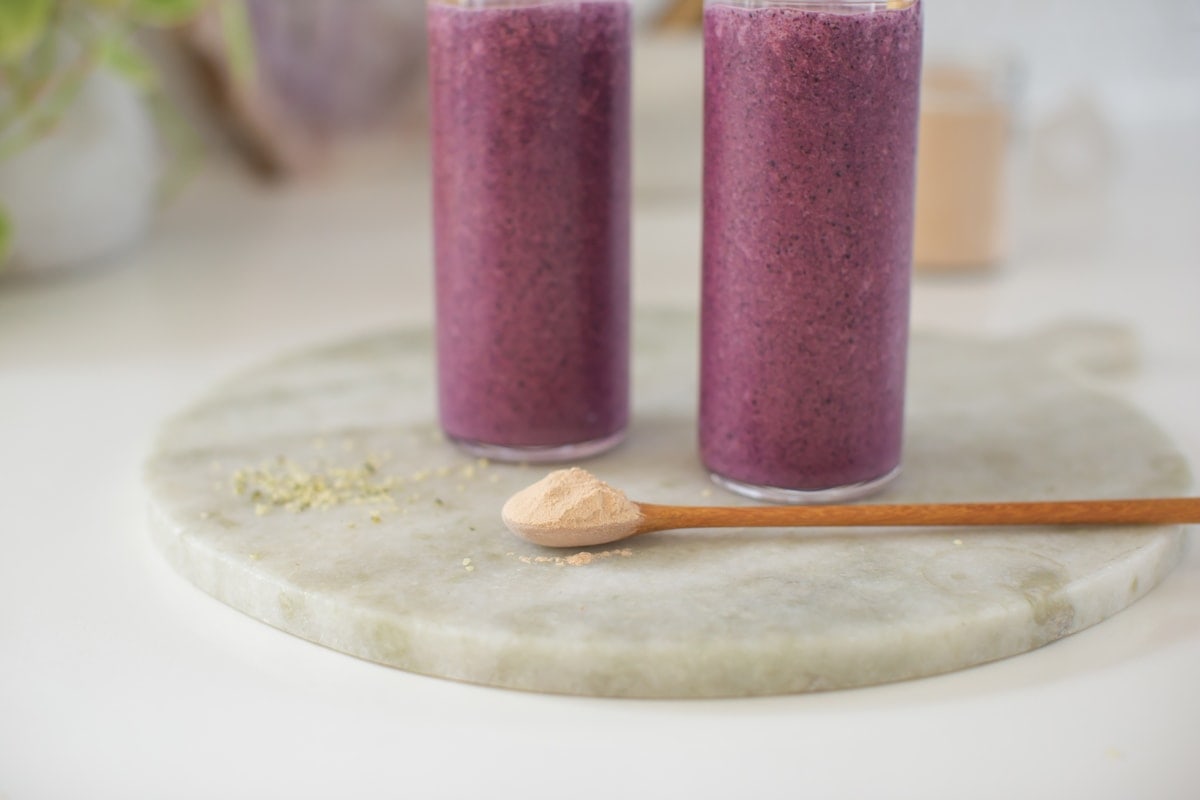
[[1063, 512]]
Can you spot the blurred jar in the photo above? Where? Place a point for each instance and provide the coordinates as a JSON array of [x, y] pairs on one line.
[[324, 71], [962, 167], [337, 65]]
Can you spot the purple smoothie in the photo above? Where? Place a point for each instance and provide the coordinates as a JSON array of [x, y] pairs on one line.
[[810, 149], [530, 108]]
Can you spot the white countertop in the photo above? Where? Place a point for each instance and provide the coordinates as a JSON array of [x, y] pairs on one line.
[[119, 679]]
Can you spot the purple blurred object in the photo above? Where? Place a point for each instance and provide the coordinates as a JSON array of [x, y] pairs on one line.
[[333, 65]]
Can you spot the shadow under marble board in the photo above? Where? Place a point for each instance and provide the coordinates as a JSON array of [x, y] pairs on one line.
[[316, 494]]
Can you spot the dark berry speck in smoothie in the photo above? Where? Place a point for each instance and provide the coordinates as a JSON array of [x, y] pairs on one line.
[[530, 110], [810, 145]]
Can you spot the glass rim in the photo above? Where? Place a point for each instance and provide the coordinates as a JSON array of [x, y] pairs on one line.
[[819, 5], [513, 3]]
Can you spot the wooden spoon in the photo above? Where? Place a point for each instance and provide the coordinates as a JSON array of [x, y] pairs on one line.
[[578, 510], [1158, 511]]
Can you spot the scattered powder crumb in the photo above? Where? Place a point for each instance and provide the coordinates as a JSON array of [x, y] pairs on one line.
[[206, 515], [466, 562], [580, 559], [958, 541], [482, 463], [470, 569], [376, 517], [255, 556], [706, 492]]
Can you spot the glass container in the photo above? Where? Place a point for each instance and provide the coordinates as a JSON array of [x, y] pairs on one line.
[[809, 163], [530, 110]]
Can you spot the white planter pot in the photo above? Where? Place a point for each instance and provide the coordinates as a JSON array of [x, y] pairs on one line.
[[87, 190]]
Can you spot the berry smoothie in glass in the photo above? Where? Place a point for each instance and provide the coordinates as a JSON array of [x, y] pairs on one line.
[[809, 164], [530, 106]]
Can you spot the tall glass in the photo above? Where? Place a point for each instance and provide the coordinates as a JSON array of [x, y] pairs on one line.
[[531, 174], [810, 150]]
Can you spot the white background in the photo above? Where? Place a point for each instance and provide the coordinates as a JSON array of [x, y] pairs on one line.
[[119, 680]]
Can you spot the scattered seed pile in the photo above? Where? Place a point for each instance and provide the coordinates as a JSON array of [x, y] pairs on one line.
[[287, 485]]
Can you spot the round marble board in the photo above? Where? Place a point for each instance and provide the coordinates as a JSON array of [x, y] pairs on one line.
[[400, 556]]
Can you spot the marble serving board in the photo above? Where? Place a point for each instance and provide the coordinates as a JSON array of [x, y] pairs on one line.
[[401, 558]]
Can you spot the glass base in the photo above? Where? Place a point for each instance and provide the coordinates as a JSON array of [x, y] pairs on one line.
[[548, 454], [775, 494]]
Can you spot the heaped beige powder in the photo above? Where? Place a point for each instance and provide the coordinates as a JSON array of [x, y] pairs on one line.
[[571, 508]]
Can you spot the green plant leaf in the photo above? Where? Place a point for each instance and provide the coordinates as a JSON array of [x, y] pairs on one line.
[[181, 144], [23, 23], [239, 40], [163, 12], [47, 108], [126, 60], [6, 237]]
